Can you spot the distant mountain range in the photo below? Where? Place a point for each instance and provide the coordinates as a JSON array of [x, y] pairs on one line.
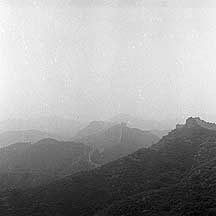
[[32, 136], [174, 177], [64, 128], [140, 123], [38, 157], [92, 128], [157, 128], [113, 141]]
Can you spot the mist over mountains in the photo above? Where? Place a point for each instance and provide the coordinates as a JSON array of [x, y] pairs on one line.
[[29, 157], [32, 130], [53, 126], [107, 108], [114, 172], [31, 136], [141, 123], [113, 142]]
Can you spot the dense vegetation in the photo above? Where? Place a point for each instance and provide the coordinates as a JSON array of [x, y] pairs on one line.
[[24, 165]]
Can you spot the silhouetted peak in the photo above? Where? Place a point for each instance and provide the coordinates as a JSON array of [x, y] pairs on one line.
[[194, 122]]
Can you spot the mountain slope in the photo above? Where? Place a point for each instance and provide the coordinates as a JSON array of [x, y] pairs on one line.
[[167, 179], [194, 195], [160, 133], [195, 192], [93, 128], [85, 193], [25, 165], [117, 141]]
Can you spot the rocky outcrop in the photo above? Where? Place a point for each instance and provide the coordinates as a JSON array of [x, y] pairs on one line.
[[197, 122], [192, 122]]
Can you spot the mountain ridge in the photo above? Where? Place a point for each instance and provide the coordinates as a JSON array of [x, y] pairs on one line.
[[32, 136], [152, 181], [27, 165], [117, 141]]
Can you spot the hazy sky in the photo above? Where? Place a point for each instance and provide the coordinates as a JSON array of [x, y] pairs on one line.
[[94, 59]]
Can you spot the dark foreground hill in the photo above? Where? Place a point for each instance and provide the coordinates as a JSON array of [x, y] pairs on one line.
[[24, 165], [194, 195], [175, 177]]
